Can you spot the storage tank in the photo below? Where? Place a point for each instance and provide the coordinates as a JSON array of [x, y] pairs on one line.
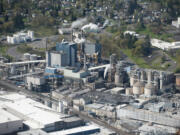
[[33, 57], [149, 90], [117, 79], [132, 80], [27, 56], [138, 88]]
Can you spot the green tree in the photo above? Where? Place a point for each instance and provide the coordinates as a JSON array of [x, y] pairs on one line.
[[18, 21]]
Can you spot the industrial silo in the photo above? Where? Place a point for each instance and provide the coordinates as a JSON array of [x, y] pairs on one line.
[[33, 57], [27, 56], [138, 87], [149, 87]]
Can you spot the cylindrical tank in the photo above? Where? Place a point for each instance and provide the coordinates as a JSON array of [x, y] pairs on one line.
[[128, 91], [117, 79], [33, 57], [132, 81], [138, 88], [149, 90], [27, 56]]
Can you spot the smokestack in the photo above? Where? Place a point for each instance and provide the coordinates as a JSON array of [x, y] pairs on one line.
[[72, 35], [149, 77], [161, 80], [85, 67], [142, 75], [46, 43]]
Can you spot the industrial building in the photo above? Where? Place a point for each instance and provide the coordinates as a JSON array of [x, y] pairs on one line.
[[150, 82], [9, 123], [144, 115], [65, 55], [33, 132], [70, 49], [56, 59], [84, 130], [93, 50], [21, 37], [36, 83], [164, 45], [32, 113], [176, 23]]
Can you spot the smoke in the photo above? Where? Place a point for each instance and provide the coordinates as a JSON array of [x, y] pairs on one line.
[[79, 23]]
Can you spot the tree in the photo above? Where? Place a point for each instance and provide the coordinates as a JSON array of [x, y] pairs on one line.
[[18, 21]]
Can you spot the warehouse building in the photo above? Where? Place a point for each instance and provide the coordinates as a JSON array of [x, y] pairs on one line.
[[84, 130], [21, 37], [72, 122], [33, 132], [33, 114], [9, 123]]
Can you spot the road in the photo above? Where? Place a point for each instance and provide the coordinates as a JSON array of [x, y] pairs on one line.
[[14, 88]]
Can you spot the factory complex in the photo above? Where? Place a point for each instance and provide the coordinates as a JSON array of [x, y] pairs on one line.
[[74, 91]]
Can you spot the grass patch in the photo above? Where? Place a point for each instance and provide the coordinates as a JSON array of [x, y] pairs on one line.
[[156, 64], [164, 36], [3, 52], [138, 60], [3, 49], [44, 31]]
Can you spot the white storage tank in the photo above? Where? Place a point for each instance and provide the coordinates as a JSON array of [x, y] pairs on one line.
[[117, 79], [132, 81], [33, 57], [138, 88], [149, 90], [27, 56]]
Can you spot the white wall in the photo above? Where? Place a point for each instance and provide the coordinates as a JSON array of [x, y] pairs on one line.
[[10, 127]]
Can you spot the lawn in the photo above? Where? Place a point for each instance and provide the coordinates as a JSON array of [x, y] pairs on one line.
[[164, 36], [44, 31], [140, 61], [136, 59]]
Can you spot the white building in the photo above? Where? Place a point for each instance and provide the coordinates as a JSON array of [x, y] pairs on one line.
[[9, 123], [33, 114], [90, 129], [21, 37], [165, 45], [176, 23]]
